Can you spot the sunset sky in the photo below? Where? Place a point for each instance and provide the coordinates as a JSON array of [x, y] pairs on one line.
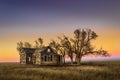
[[26, 20]]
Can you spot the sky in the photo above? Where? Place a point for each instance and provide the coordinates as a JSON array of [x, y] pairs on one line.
[[26, 20]]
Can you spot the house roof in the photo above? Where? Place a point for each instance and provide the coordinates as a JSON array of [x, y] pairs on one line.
[[44, 50], [29, 50], [47, 50]]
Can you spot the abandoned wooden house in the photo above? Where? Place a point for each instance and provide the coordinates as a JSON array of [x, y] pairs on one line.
[[40, 56]]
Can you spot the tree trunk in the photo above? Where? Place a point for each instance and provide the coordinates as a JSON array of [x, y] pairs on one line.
[[78, 60], [63, 59], [71, 60]]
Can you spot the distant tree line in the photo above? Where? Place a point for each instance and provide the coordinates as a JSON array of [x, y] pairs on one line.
[[80, 45]]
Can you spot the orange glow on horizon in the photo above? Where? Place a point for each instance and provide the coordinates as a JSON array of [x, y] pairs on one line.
[[107, 40]]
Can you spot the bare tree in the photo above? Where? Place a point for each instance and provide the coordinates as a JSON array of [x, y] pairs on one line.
[[19, 46], [54, 45], [27, 45], [40, 40], [63, 49], [36, 44], [39, 43], [82, 44], [58, 47], [67, 47]]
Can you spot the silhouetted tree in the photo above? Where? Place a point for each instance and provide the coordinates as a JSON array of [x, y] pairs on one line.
[[27, 45], [39, 43], [62, 52], [54, 45], [36, 44], [58, 47], [19, 46], [63, 49], [67, 47], [40, 40], [82, 44]]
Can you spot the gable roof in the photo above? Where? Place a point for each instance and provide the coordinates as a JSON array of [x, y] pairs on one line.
[[47, 50]]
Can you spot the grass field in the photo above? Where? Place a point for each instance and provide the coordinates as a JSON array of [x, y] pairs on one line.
[[99, 70]]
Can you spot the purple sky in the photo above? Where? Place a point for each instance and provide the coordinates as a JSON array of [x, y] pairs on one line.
[[28, 19]]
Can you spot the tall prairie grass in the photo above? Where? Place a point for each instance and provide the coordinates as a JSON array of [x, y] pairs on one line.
[[102, 70]]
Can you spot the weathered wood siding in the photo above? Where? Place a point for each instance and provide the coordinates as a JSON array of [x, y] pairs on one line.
[[50, 59], [38, 56], [22, 58]]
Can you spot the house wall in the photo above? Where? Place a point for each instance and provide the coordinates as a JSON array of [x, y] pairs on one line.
[[48, 60], [22, 58], [34, 59], [29, 58], [38, 57]]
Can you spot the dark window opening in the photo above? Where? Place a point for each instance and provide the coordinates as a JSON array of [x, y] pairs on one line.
[[51, 58], [45, 58], [41, 58], [29, 59], [59, 58]]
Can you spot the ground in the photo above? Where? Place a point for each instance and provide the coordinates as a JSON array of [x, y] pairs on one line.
[[97, 70]]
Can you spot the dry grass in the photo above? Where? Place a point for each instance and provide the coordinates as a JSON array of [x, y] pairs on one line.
[[87, 71]]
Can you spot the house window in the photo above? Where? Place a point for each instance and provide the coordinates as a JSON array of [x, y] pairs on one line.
[[48, 50], [29, 58], [45, 58], [51, 58], [42, 58]]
